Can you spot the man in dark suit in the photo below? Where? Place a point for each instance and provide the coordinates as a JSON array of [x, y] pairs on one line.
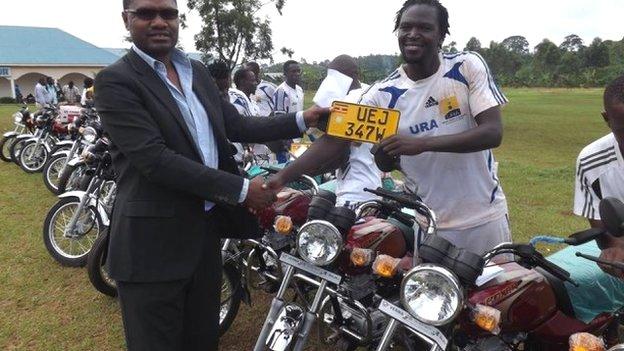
[[178, 185]]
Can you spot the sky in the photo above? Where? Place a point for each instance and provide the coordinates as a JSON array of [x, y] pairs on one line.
[[322, 29]]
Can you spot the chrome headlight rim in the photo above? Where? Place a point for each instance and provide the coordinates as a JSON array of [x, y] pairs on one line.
[[446, 274], [17, 118], [89, 134], [334, 231]]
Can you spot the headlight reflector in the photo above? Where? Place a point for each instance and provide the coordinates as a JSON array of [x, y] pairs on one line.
[[319, 242], [432, 294], [89, 134]]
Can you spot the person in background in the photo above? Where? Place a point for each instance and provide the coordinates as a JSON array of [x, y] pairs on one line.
[[87, 87], [52, 92], [71, 93], [18, 94], [41, 93], [264, 91], [288, 98], [221, 74]]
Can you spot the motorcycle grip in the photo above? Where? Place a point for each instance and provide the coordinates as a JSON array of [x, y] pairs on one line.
[[618, 265]]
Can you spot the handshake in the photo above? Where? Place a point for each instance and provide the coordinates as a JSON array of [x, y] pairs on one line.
[[261, 194]]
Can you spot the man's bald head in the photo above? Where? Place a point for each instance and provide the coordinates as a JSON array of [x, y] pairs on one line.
[[347, 65]]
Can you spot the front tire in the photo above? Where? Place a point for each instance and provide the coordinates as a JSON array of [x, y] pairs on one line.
[[97, 269], [5, 148], [70, 251], [231, 295], [33, 157], [16, 149], [51, 174]]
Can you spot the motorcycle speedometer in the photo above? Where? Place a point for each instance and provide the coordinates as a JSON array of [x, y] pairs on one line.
[[319, 242], [432, 294]]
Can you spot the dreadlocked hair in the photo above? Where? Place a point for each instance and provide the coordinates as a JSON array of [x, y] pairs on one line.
[[614, 93], [443, 16]]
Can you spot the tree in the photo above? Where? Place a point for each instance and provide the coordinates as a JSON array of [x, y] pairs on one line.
[[516, 44], [547, 56], [473, 44], [450, 48], [572, 43], [232, 30], [288, 52], [597, 54]]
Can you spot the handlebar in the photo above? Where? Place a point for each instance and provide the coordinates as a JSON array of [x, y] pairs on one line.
[[408, 202], [531, 257], [618, 265], [307, 179]]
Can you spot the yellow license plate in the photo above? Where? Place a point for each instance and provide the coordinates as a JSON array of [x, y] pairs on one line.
[[361, 122]]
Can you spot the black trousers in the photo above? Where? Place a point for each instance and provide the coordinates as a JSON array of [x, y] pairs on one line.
[[176, 315]]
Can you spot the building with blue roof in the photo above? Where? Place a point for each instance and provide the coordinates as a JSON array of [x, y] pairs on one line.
[[27, 53]]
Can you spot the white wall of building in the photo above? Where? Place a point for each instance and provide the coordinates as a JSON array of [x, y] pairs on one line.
[[27, 76]]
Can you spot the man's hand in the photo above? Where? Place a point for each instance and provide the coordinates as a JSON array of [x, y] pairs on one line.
[[397, 145], [615, 254], [259, 196], [275, 183], [314, 114]]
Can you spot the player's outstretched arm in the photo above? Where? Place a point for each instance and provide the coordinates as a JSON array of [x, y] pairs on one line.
[[486, 135]]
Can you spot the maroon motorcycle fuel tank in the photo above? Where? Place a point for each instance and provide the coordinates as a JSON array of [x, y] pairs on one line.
[[523, 296]]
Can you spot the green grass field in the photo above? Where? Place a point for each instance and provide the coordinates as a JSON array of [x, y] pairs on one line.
[[44, 306]]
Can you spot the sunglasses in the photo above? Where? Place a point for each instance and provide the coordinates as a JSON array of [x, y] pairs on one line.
[[150, 14]]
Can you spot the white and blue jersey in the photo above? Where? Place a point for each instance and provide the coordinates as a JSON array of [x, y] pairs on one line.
[[462, 188], [263, 97], [287, 99]]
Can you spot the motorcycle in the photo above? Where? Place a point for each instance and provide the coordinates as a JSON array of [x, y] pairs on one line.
[[84, 131], [76, 220], [23, 126], [332, 277], [516, 305], [36, 150]]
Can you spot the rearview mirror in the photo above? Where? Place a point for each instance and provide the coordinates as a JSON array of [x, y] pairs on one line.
[[612, 214]]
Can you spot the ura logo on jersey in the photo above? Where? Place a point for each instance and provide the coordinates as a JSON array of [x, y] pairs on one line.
[[424, 127], [449, 107]]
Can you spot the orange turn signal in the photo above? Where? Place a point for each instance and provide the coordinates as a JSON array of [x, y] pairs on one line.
[[283, 225], [385, 266], [361, 257], [487, 318], [586, 342]]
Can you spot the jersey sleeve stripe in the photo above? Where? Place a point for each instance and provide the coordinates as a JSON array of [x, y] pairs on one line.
[[612, 148], [591, 164], [500, 98], [582, 174]]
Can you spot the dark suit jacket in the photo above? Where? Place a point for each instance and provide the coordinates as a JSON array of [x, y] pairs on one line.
[[158, 224]]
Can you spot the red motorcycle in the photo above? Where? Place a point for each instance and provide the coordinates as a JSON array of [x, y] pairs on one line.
[[522, 305]]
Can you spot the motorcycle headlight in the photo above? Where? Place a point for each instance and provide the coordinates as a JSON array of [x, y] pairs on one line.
[[17, 117], [89, 134], [432, 294], [319, 242]]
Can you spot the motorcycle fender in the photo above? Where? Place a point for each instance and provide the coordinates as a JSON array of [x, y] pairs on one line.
[[61, 152], [65, 142], [31, 138], [10, 134], [77, 193], [23, 137], [74, 162], [289, 321]]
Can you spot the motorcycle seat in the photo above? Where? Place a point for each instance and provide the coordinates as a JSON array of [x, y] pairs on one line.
[[561, 293]]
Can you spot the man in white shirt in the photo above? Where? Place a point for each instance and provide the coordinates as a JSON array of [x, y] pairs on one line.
[[241, 97], [450, 119], [288, 98], [41, 93], [600, 173], [71, 93], [265, 90]]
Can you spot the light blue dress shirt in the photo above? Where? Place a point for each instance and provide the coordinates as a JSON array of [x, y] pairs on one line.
[[192, 110]]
